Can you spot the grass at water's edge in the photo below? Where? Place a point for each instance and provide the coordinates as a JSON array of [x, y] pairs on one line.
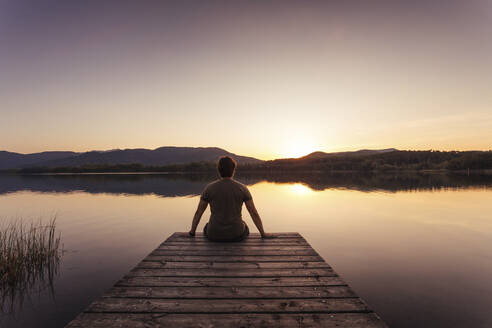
[[29, 257]]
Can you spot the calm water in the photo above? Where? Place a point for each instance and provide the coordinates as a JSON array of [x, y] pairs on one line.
[[416, 248]]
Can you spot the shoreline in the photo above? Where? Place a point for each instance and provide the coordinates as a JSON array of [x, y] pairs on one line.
[[260, 172]]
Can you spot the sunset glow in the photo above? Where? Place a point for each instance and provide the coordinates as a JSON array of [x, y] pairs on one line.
[[297, 148], [266, 80]]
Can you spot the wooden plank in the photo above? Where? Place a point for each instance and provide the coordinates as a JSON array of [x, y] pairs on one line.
[[238, 258], [154, 264], [304, 320], [229, 281], [131, 305], [192, 282], [251, 235], [250, 239], [234, 252], [158, 272], [232, 247], [263, 242], [266, 292]]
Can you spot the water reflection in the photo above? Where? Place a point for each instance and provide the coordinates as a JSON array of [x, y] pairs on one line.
[[30, 256], [391, 182], [416, 257], [172, 185], [39, 283]]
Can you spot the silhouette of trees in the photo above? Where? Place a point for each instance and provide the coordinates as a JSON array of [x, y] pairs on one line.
[[389, 161], [396, 160]]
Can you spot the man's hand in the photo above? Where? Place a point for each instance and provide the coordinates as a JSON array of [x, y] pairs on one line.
[[268, 236], [202, 205]]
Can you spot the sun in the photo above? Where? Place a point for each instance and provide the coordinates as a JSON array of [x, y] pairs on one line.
[[298, 148]]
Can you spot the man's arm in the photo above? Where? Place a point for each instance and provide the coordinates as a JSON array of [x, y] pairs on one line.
[[202, 206], [256, 218]]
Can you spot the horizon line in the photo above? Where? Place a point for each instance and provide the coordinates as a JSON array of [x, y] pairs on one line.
[[245, 155]]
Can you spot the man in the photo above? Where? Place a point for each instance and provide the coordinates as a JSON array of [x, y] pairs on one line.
[[226, 197]]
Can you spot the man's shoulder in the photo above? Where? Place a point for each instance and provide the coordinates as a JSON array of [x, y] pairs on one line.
[[212, 184], [220, 183], [241, 185]]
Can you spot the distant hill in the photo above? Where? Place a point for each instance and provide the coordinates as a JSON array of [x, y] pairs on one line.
[[189, 159], [9, 160], [158, 157], [362, 152], [384, 160]]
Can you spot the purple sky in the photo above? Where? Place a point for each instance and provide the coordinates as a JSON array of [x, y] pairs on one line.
[[262, 78]]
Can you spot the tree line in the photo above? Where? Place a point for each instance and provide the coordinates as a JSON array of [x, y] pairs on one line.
[[390, 161]]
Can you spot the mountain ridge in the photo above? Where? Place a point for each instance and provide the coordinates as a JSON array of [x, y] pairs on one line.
[[321, 154], [160, 156], [150, 157], [202, 159]]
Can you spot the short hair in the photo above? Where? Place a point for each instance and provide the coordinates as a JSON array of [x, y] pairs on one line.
[[226, 166]]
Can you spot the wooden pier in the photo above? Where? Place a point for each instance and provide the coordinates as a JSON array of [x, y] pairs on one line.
[[191, 282]]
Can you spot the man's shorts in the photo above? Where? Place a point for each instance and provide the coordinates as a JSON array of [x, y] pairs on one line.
[[244, 235]]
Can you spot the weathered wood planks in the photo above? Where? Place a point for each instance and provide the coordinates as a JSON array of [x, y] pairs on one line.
[[155, 262], [229, 281], [303, 320], [238, 258], [266, 292], [258, 272], [191, 282]]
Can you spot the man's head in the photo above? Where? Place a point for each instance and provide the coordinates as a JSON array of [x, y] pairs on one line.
[[226, 167]]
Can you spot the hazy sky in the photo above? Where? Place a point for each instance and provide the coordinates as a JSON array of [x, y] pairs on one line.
[[261, 78]]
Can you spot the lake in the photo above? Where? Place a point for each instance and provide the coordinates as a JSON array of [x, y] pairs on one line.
[[416, 248]]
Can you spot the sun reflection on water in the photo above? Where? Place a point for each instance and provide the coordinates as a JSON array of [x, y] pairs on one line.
[[300, 189]]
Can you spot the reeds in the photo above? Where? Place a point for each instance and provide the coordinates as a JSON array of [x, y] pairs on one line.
[[29, 257]]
